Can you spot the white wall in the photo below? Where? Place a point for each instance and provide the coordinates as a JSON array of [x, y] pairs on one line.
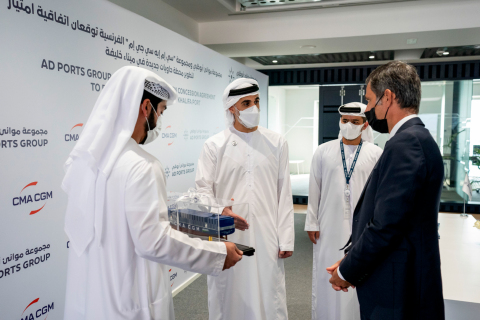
[[299, 103], [434, 23], [48, 84], [276, 109], [163, 14], [401, 17], [287, 106]]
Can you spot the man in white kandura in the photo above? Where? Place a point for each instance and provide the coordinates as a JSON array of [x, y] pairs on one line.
[[116, 219], [249, 163], [339, 171]]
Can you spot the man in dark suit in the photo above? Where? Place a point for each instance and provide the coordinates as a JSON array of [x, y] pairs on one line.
[[393, 256]]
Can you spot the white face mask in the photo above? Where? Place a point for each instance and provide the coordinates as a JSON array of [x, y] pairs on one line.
[[154, 133], [350, 131], [250, 117]]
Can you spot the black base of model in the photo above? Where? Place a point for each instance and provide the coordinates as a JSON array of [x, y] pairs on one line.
[[247, 251]]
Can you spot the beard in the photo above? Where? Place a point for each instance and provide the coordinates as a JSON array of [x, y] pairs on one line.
[[151, 123]]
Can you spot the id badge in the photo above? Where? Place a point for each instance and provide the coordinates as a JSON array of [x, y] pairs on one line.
[[346, 212]]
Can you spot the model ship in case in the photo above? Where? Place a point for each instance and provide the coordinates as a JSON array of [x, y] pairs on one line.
[[196, 215], [205, 225], [201, 223]]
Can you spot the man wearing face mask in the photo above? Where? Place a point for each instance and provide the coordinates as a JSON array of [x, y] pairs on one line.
[[339, 171], [393, 256], [120, 238], [249, 163]]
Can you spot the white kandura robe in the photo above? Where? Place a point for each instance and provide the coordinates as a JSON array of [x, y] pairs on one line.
[[128, 277], [326, 214], [251, 168]]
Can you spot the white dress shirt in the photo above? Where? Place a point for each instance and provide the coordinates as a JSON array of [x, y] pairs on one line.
[[400, 124]]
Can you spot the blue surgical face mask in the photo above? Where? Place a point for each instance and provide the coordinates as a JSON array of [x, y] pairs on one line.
[[154, 133]]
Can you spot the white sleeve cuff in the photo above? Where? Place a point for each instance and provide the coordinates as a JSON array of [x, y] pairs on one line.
[[286, 248], [220, 260], [340, 274], [312, 228]]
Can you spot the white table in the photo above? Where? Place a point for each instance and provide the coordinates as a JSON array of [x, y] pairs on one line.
[[297, 162], [460, 256]]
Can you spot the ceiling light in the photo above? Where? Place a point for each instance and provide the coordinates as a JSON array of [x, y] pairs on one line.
[[372, 57], [446, 53], [274, 61], [308, 46]]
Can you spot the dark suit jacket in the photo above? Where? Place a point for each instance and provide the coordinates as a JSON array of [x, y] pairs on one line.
[[394, 257]]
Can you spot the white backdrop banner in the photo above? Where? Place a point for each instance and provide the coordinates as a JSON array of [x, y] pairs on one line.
[[56, 57]]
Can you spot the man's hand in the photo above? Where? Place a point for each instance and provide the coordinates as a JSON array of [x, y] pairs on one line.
[[337, 283], [233, 255], [334, 267], [284, 254], [313, 235], [240, 223]]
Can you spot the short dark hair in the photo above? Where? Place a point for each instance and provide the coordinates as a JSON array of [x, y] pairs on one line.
[[154, 100], [402, 79]]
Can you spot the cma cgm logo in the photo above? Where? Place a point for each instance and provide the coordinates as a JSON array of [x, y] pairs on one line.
[[24, 198], [172, 277], [31, 314], [73, 136], [171, 136]]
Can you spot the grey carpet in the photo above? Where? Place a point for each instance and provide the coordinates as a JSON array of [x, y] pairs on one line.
[[192, 303]]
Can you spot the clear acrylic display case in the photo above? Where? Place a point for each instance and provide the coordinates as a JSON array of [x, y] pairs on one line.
[[212, 219]]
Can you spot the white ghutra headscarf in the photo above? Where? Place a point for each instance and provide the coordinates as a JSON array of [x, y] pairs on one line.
[[233, 93], [103, 138], [356, 109]]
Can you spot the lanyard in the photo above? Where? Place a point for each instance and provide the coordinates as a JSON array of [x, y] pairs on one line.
[[348, 175]]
